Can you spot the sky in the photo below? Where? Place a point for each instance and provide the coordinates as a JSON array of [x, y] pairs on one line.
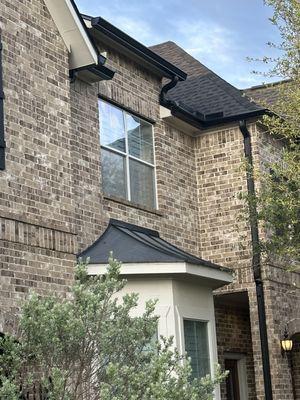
[[219, 33]]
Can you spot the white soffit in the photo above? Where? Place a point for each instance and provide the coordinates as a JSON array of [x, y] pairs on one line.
[[181, 268], [178, 123], [69, 25]]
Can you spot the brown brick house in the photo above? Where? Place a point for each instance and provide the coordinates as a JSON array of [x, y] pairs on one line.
[[168, 161]]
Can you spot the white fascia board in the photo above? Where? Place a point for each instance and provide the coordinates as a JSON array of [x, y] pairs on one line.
[[210, 273], [197, 271], [141, 268], [69, 25]]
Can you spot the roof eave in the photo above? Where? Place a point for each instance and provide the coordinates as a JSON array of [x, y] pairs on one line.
[[153, 60], [93, 73], [203, 123], [74, 33], [209, 276]]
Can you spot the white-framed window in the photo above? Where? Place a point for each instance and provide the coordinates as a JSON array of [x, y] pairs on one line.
[[127, 156], [197, 346]]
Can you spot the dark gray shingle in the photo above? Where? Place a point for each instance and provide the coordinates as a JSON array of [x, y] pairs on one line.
[[204, 91]]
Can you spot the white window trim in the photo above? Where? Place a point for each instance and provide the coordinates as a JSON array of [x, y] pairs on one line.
[[129, 157]]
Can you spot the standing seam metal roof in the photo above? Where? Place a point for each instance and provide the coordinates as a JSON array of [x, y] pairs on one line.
[[134, 244]]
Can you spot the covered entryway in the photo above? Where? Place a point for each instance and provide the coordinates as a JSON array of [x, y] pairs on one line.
[[182, 283], [235, 345]]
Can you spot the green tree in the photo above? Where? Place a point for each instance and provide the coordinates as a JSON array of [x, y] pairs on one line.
[[89, 346], [278, 199]]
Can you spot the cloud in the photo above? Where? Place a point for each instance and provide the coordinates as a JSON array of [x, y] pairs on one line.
[[215, 42], [137, 28], [208, 40], [128, 17]]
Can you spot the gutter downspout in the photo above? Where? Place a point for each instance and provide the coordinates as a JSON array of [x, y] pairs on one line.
[[2, 140], [256, 263], [164, 90]]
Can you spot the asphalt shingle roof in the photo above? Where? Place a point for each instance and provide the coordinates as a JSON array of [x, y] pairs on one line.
[[265, 94], [204, 91]]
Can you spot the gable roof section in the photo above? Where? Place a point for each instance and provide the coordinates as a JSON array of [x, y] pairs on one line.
[[74, 33], [134, 244], [204, 94], [84, 58], [104, 30], [175, 54]]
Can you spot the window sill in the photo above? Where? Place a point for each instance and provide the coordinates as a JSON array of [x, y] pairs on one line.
[[133, 205]]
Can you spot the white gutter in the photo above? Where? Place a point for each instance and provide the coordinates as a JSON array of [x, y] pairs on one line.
[[69, 25]]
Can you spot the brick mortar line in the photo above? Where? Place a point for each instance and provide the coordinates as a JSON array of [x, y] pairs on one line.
[[39, 247], [280, 282], [38, 225]]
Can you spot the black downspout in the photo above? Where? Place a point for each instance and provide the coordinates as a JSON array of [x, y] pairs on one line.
[[2, 141], [256, 262], [170, 85]]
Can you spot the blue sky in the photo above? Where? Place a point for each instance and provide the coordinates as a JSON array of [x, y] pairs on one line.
[[219, 33]]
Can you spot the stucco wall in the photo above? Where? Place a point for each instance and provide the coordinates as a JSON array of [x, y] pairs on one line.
[[177, 300]]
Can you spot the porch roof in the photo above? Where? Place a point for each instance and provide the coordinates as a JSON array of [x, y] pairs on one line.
[[134, 244]]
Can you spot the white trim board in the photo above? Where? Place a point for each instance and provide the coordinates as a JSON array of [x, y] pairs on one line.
[[211, 277], [69, 25]]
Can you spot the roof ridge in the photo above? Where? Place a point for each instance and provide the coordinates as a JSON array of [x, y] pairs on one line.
[[267, 85], [137, 228]]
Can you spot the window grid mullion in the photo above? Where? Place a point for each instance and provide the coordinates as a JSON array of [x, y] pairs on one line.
[[127, 158], [140, 161], [113, 150], [154, 169], [130, 158]]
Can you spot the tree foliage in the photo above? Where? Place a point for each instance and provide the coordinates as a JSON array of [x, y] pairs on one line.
[[279, 197], [89, 346]]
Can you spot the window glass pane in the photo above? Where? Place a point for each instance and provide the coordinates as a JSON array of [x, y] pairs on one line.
[[196, 347], [140, 141], [142, 183], [113, 174], [112, 130]]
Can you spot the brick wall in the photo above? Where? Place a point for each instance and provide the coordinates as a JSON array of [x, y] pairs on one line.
[[51, 202], [282, 287], [224, 238], [37, 237], [219, 156], [282, 306], [138, 90], [295, 368]]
